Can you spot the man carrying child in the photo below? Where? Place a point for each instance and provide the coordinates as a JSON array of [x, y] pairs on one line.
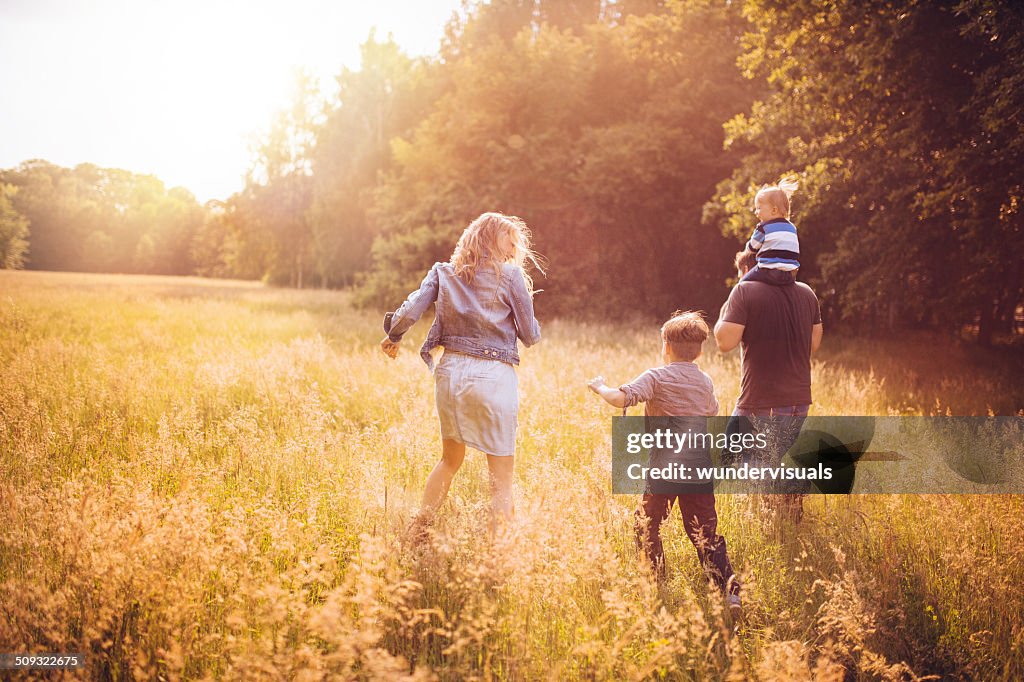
[[776, 325]]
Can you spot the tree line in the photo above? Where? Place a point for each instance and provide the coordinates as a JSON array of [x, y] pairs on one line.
[[631, 136]]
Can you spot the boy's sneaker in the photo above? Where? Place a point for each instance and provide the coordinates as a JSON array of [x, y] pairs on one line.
[[735, 608]]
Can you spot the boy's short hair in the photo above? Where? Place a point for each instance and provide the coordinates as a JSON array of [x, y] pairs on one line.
[[685, 332]]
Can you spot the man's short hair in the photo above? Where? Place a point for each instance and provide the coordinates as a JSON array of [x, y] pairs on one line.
[[745, 260], [685, 332]]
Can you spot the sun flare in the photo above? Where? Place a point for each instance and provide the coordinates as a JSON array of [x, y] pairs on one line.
[[178, 89]]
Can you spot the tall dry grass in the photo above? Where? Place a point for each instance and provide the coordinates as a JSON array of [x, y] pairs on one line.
[[205, 479]]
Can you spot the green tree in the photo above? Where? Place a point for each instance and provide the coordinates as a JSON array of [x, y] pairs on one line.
[[209, 248], [96, 219], [46, 196], [386, 97], [903, 120], [500, 138], [605, 138], [13, 231], [278, 192]]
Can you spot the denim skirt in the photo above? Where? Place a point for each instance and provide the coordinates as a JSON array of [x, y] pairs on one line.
[[477, 402]]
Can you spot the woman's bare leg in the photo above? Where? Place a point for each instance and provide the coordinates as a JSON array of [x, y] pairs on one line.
[[501, 489], [440, 479]]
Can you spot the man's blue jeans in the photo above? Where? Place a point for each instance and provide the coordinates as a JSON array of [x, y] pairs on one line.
[[781, 426]]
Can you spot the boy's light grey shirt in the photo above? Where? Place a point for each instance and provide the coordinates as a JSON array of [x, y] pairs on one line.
[[678, 389], [482, 318]]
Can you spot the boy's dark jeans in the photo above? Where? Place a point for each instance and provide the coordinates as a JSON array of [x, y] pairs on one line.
[[701, 523]]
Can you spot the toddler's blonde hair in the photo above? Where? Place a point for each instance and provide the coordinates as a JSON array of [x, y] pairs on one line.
[[479, 242], [779, 194]]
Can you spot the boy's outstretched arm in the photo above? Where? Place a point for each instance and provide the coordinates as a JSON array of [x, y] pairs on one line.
[[612, 396]]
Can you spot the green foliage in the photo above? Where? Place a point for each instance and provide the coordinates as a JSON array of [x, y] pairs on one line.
[[384, 99], [279, 190], [13, 231], [95, 219], [903, 120], [602, 137], [631, 136]]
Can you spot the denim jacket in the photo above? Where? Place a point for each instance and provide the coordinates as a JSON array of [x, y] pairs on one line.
[[483, 318]]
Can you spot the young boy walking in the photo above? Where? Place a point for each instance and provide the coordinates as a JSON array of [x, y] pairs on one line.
[[679, 389]]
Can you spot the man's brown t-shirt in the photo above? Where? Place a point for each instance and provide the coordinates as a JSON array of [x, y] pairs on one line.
[[775, 350]]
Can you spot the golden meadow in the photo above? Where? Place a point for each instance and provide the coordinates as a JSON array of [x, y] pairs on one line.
[[210, 479]]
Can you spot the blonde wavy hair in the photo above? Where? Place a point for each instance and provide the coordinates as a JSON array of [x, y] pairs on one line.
[[479, 243], [779, 194]]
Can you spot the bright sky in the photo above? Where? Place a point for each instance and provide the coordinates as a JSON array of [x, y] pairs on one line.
[[177, 88]]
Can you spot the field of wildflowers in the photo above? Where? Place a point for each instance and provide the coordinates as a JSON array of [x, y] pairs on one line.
[[211, 479]]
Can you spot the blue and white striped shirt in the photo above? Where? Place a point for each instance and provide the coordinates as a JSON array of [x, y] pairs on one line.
[[776, 244]]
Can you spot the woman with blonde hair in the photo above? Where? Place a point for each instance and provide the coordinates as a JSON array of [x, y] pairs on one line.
[[484, 304]]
